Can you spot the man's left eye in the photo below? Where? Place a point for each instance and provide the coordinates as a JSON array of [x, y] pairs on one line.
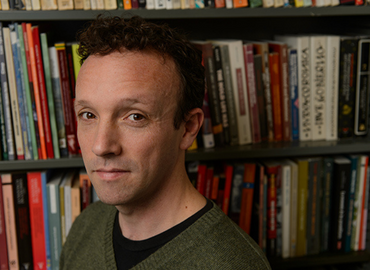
[[136, 117]]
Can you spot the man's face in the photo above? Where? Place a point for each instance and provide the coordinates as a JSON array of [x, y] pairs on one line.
[[125, 106]]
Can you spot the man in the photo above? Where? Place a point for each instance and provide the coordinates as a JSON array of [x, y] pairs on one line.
[[138, 99]]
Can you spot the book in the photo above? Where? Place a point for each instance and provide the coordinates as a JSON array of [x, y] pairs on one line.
[[293, 83], [36, 89], [78, 4], [26, 139], [318, 56], [228, 175], [332, 79], [247, 197], [208, 181], [65, 4], [36, 5], [10, 225], [365, 203], [212, 90], [276, 96], [240, 3], [66, 185], [52, 189], [49, 5], [66, 95], [239, 88], [236, 192], [206, 131], [347, 86], [252, 92], [39, 151], [85, 187], [229, 94], [342, 174], [50, 95], [75, 198], [13, 94], [109, 4], [362, 88], [301, 44], [260, 96], [261, 48], [58, 103], [282, 49], [22, 220], [42, 92], [3, 244], [326, 202], [36, 181]]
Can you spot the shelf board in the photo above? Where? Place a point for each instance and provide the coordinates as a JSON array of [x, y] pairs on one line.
[[55, 15], [75, 162], [282, 150], [320, 260]]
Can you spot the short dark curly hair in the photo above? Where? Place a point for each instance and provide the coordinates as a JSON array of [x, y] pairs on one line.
[[105, 35]]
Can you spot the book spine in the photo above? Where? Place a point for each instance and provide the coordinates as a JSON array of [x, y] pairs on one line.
[[37, 220], [21, 209], [4, 143], [271, 216], [251, 89], [285, 210], [66, 94], [236, 191], [208, 183], [301, 249], [332, 77], [35, 86], [44, 178], [50, 97], [318, 87], [10, 226], [58, 103], [276, 96], [62, 214], [85, 186], [293, 209], [227, 191], [207, 134], [347, 87], [221, 93], [304, 89], [326, 203], [260, 97], [3, 244], [29, 93], [362, 88], [42, 92], [293, 79], [201, 179], [365, 213], [13, 94], [229, 94], [21, 105], [247, 197]]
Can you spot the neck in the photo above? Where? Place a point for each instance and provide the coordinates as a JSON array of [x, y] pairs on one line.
[[176, 201]]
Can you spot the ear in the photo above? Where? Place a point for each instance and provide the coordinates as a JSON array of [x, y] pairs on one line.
[[192, 126]]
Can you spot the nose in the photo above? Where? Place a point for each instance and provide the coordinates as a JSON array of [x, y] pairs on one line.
[[106, 141]]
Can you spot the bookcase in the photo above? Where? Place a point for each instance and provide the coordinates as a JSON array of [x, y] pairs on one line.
[[246, 24]]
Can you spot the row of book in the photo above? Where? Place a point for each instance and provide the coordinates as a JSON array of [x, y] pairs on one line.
[[165, 4], [292, 88], [37, 209], [293, 207], [37, 119]]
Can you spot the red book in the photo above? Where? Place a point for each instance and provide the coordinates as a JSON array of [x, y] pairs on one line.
[[67, 98], [41, 151], [209, 180], [252, 93], [34, 183], [36, 90], [219, 3], [42, 90], [85, 187], [3, 244], [215, 187], [201, 179], [282, 50], [227, 191], [247, 197], [276, 96]]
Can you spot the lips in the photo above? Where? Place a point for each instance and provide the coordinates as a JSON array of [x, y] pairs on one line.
[[110, 175]]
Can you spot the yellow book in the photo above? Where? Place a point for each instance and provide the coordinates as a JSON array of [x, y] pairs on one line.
[[76, 60], [298, 3]]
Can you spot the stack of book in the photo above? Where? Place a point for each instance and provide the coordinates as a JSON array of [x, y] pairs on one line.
[[37, 209], [293, 207], [37, 84], [293, 88]]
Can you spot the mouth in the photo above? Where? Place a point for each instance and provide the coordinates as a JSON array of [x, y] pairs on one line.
[[111, 174]]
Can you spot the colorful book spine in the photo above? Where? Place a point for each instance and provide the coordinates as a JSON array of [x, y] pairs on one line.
[[260, 96], [247, 197], [3, 244], [276, 96], [293, 79]]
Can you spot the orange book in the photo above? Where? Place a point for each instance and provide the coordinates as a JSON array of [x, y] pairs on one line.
[[85, 186], [36, 91], [240, 3], [219, 3], [127, 4], [276, 96], [214, 192], [247, 197]]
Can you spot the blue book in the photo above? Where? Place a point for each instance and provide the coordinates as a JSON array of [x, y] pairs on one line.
[[21, 104], [6, 99], [55, 233], [293, 81]]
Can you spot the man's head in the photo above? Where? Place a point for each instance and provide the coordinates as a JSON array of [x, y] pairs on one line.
[[127, 98], [106, 35]]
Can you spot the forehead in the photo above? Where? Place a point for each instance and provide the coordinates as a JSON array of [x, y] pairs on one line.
[[123, 70]]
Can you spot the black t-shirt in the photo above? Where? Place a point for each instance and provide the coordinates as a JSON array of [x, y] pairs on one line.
[[128, 253]]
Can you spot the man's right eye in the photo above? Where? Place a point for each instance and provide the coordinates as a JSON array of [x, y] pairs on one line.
[[87, 115]]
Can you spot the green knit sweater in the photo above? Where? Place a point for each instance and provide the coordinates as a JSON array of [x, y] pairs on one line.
[[212, 242]]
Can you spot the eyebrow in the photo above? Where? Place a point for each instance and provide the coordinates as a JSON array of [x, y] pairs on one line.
[[124, 101]]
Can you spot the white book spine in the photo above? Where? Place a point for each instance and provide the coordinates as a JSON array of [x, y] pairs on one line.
[[4, 5], [36, 5], [160, 4], [150, 4], [169, 4], [229, 4], [318, 86], [332, 76], [87, 5], [176, 4]]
